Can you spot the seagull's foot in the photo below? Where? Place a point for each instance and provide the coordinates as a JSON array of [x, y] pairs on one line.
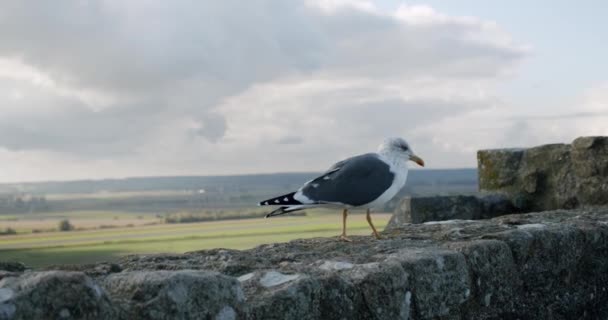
[[377, 236], [344, 238]]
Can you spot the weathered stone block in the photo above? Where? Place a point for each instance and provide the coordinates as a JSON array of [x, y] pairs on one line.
[[552, 264], [494, 277], [548, 177], [53, 295], [360, 291], [441, 208], [12, 266], [184, 294], [274, 295], [439, 281]]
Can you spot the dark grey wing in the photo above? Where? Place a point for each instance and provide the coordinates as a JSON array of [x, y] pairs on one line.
[[355, 181]]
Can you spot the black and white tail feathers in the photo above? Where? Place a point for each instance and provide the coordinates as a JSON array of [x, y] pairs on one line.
[[286, 199], [287, 203], [287, 209]]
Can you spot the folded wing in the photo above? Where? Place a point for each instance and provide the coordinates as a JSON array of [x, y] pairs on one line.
[[355, 181]]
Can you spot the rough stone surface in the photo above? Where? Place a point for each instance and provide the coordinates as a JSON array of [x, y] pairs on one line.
[[12, 266], [549, 177], [441, 208], [549, 265], [184, 294], [53, 295]]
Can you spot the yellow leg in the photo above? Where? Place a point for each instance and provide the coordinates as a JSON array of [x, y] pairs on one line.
[[343, 236], [369, 220]]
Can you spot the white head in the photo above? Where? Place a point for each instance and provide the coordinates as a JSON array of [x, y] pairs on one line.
[[398, 147]]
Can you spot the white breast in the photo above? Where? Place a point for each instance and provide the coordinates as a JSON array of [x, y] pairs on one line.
[[399, 168]]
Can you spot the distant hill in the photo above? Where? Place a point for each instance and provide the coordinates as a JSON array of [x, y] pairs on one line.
[[238, 183], [171, 194]]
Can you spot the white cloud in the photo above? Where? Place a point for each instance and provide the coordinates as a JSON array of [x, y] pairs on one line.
[[508, 125], [116, 87]]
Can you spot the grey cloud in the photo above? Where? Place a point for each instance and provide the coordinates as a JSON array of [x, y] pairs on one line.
[[168, 64], [117, 46], [133, 47], [290, 140], [77, 130], [212, 127], [402, 114], [517, 133], [382, 47], [585, 114]]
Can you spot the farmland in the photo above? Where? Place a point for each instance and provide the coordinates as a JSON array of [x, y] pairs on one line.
[[41, 249], [109, 218]]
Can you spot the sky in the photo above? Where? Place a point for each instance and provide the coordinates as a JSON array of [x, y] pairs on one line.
[[110, 88]]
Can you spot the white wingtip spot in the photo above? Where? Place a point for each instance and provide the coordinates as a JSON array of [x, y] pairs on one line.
[[285, 199], [276, 201], [326, 178]]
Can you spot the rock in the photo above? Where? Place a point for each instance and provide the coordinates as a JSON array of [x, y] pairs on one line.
[[440, 280], [12, 266], [549, 177], [372, 291], [493, 277], [185, 294], [92, 270], [548, 257], [495, 205], [273, 279], [441, 208], [4, 274], [53, 295], [547, 265], [505, 267], [276, 295]]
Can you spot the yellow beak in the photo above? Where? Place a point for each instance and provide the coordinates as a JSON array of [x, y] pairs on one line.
[[418, 160]]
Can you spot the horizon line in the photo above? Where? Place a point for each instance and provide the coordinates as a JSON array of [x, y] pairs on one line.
[[195, 175]]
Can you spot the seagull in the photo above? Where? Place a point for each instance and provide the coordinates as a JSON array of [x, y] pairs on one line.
[[366, 181]]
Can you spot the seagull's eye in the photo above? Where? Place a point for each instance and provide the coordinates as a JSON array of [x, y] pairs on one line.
[[404, 148]]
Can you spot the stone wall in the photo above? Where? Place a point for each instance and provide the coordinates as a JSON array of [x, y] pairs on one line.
[[442, 208], [551, 265], [548, 177]]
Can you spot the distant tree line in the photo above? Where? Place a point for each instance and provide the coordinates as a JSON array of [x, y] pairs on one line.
[[7, 231], [23, 203]]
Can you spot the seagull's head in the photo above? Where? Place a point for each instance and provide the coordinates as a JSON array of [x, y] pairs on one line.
[[400, 148]]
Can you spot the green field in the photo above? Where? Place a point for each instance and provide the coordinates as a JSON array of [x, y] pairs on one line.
[[114, 217], [42, 249]]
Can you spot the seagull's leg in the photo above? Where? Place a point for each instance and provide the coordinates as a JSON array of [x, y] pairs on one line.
[[369, 220], [343, 236]]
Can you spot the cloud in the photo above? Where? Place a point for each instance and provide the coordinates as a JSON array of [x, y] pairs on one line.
[[199, 86], [585, 116], [290, 140], [506, 124]]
